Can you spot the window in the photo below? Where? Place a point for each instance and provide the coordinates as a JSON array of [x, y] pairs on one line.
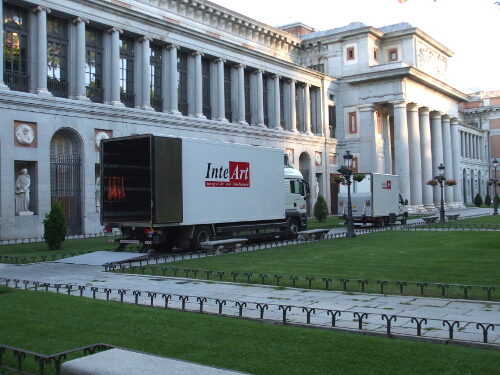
[[182, 82], [205, 86], [282, 104], [227, 92], [265, 82], [155, 78], [93, 65], [248, 110], [127, 95], [15, 46], [353, 124], [331, 120], [297, 109], [393, 54], [332, 158], [57, 55], [350, 53], [375, 53], [355, 164]]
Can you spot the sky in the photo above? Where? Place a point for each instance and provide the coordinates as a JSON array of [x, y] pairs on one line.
[[470, 28]]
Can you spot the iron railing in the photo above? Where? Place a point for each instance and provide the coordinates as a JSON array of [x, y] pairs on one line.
[[127, 98], [157, 103], [95, 94], [58, 87], [16, 81]]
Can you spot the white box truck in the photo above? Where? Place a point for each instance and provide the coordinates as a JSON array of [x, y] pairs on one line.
[[167, 191], [375, 200]]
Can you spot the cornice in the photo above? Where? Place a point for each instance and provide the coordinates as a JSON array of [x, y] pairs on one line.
[[405, 72]]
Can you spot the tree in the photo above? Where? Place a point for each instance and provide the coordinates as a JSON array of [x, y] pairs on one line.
[[478, 201], [487, 200], [320, 209], [54, 227]]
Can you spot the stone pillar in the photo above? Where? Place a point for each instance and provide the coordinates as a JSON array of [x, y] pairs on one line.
[[80, 90], [277, 112], [41, 47], [401, 149], [386, 135], [173, 84], [307, 109], [426, 158], [3, 86], [198, 78], [221, 108], [447, 157], [293, 108], [455, 149], [437, 150], [260, 98], [241, 94], [415, 157], [115, 66], [367, 145], [146, 74]]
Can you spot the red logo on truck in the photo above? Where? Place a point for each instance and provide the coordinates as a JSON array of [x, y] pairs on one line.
[[387, 185], [236, 175]]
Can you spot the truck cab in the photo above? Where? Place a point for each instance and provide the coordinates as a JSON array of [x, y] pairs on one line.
[[296, 193]]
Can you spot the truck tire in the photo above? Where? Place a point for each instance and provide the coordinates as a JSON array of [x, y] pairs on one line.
[[293, 228], [201, 234], [404, 219]]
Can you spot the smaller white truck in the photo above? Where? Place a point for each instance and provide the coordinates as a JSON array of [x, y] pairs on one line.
[[375, 200]]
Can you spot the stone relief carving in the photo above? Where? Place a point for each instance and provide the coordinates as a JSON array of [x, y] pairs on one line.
[[99, 136], [431, 61], [25, 134], [22, 199]]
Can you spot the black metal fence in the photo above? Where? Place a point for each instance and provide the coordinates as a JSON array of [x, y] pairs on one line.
[[441, 330]]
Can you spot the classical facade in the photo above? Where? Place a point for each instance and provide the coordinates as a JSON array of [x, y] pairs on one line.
[[75, 72]]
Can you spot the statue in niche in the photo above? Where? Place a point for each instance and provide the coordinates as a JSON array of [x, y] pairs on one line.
[[98, 194], [23, 183]]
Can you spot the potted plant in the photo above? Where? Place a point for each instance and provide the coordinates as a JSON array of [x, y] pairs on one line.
[[450, 182], [358, 177], [432, 182]]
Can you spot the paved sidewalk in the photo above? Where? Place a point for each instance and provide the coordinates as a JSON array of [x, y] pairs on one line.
[[322, 308]]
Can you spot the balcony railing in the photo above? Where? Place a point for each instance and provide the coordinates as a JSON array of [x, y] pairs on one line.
[[95, 94], [157, 103], [57, 87], [127, 98], [16, 81]]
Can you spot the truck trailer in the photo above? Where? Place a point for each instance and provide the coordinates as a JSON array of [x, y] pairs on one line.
[[164, 192], [375, 200]]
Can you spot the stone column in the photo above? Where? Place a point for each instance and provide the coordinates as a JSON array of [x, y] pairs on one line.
[[115, 66], [447, 157], [437, 150], [3, 86], [307, 109], [415, 157], [146, 74], [455, 149], [367, 146], [260, 98], [401, 149], [173, 84], [221, 108], [293, 108], [41, 47], [426, 158], [241, 94], [198, 78], [386, 134], [277, 112], [80, 90]]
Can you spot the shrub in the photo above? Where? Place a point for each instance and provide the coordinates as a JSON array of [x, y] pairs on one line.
[[320, 209], [487, 200], [478, 201], [54, 227]]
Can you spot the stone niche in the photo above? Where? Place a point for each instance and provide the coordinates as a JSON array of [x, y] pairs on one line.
[[31, 167]]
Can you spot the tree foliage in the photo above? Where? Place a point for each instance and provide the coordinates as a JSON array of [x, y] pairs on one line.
[[320, 209], [54, 227], [478, 201]]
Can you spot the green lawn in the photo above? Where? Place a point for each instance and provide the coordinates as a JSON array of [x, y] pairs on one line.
[[450, 257], [39, 249], [48, 323], [330, 221], [488, 221]]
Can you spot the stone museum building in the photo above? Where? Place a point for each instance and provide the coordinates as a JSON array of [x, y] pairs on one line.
[[75, 72]]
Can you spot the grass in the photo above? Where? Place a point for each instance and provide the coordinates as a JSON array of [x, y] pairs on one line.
[[470, 258], [48, 323], [39, 249], [330, 221], [473, 222]]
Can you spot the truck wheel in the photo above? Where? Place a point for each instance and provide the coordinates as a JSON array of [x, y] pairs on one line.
[[404, 219], [293, 228], [201, 234]]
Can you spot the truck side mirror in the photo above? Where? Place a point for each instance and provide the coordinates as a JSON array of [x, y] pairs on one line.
[[406, 202]]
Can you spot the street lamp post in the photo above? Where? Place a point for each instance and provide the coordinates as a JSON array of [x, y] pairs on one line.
[[495, 182], [346, 172], [441, 179]]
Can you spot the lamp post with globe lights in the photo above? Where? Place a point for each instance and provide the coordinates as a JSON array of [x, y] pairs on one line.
[[346, 172], [495, 182]]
